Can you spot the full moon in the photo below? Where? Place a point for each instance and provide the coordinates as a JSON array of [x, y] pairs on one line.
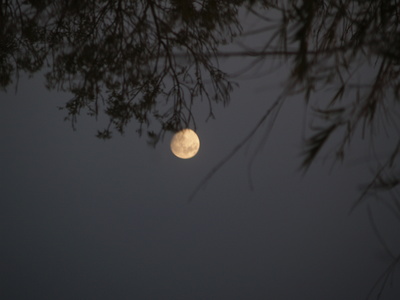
[[185, 144]]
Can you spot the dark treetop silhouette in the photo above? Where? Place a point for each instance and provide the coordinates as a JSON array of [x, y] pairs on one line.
[[149, 61], [118, 57]]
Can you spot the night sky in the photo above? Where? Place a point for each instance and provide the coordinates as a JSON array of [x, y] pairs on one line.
[[83, 218]]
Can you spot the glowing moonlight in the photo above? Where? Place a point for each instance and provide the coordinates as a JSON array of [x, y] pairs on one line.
[[185, 144]]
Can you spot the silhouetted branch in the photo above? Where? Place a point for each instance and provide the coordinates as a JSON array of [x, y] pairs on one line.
[[274, 107]]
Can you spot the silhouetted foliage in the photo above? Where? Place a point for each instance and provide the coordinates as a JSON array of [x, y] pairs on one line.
[[353, 49], [119, 57], [347, 52]]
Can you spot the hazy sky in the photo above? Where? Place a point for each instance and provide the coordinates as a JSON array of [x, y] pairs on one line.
[[83, 218]]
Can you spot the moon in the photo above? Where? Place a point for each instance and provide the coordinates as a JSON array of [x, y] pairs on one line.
[[185, 144]]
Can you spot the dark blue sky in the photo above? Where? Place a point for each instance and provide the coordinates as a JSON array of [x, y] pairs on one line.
[[82, 218]]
